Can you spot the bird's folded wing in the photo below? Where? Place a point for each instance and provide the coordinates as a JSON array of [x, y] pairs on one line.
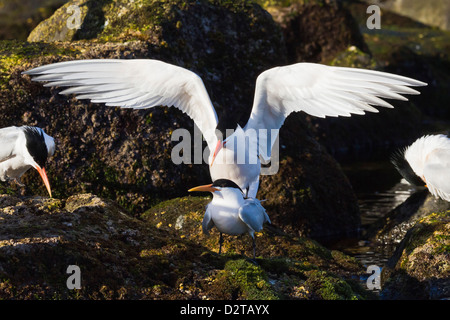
[[207, 222], [320, 91], [8, 138], [134, 84], [253, 214], [437, 173]]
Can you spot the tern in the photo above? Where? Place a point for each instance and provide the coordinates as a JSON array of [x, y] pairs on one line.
[[426, 162], [23, 148], [231, 212], [315, 89]]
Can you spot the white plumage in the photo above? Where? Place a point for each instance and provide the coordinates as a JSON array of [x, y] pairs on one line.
[[429, 159], [230, 212], [23, 148], [316, 89]]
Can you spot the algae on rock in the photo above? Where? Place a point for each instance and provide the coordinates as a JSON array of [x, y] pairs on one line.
[[420, 267], [121, 257]]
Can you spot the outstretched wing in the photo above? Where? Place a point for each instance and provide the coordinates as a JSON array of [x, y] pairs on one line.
[[253, 214], [321, 91], [135, 83], [437, 173]]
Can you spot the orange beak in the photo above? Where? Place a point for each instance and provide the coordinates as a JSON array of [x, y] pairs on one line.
[[219, 146], [207, 188], [44, 177]]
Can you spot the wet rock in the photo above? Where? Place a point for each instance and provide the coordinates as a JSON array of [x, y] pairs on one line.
[[420, 268], [392, 228], [121, 257]]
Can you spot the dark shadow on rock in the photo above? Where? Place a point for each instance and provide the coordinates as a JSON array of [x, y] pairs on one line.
[[94, 21], [401, 287]]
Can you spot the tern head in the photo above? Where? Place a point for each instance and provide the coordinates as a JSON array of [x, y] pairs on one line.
[[39, 146], [410, 161], [219, 186], [404, 168]]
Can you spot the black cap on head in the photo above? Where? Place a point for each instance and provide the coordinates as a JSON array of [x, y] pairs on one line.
[[225, 183], [401, 164], [36, 145]]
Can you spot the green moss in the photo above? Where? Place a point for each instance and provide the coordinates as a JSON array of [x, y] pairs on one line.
[[14, 53], [286, 3], [243, 278], [329, 287], [353, 57]]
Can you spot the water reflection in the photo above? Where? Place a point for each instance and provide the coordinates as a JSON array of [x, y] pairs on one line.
[[379, 189]]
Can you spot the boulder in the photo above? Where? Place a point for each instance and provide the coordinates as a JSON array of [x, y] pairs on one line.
[[310, 195], [392, 228], [154, 257], [316, 31], [420, 268]]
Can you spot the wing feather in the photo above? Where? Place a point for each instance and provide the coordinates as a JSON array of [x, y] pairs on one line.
[[253, 214], [321, 91], [134, 84]]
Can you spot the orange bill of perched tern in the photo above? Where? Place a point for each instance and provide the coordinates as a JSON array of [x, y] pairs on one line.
[[231, 213]]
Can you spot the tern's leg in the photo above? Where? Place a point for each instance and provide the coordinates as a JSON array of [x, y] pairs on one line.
[[254, 252], [254, 248], [220, 242], [18, 182]]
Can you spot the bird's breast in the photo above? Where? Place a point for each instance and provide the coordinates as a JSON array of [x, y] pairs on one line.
[[227, 220]]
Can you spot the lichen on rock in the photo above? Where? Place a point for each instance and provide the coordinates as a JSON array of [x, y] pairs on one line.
[[121, 257], [420, 268]]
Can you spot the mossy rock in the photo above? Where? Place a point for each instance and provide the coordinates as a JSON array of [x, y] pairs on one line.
[[420, 268], [405, 46], [392, 228], [315, 31], [121, 257]]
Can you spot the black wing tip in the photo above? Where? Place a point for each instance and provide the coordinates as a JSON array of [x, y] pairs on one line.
[[404, 168]]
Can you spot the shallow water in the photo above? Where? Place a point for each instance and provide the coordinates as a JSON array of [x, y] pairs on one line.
[[379, 189]]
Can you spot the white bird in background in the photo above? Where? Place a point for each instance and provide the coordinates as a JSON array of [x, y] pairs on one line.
[[231, 213], [316, 89], [426, 162], [23, 148]]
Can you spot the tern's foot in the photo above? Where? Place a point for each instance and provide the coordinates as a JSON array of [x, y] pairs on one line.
[[19, 183]]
